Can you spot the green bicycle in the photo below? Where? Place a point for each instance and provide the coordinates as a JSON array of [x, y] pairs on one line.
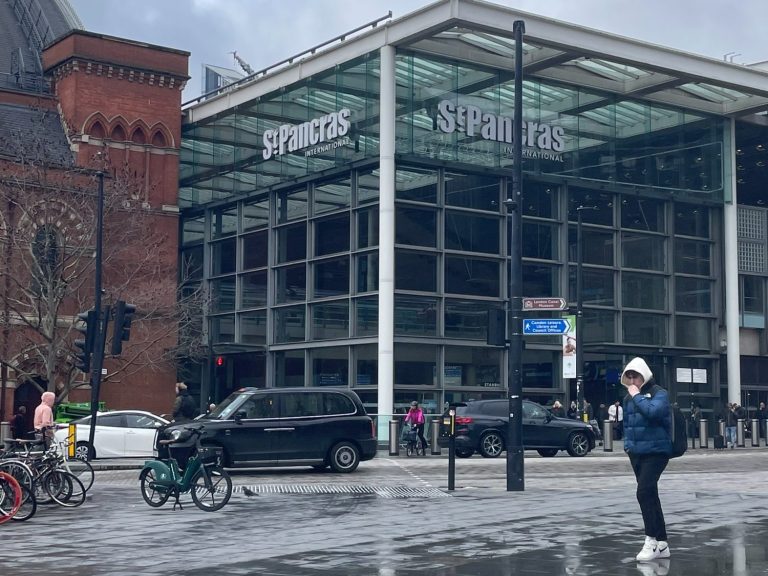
[[209, 484]]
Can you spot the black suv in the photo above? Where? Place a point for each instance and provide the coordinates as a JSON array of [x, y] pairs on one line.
[[287, 427], [481, 426]]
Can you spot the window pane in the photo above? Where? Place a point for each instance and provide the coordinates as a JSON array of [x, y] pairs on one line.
[[255, 250], [471, 276], [291, 205], [367, 187], [332, 195], [597, 286], [223, 257], [254, 289], [223, 294], [366, 317], [194, 230], [541, 280], [415, 316], [368, 272], [603, 215], [472, 191], [332, 277], [330, 320], [752, 303], [539, 369], [224, 222], [192, 264], [540, 240], [289, 324], [471, 233], [415, 271], [644, 329], [693, 295], [465, 366], [330, 366], [693, 332], [416, 184], [368, 227], [291, 284], [256, 214], [691, 220], [289, 368], [415, 364], [642, 214], [222, 329], [599, 326], [693, 257], [466, 319], [643, 251], [253, 327], [540, 199], [644, 291], [415, 226], [332, 235], [292, 243], [367, 373], [598, 246]]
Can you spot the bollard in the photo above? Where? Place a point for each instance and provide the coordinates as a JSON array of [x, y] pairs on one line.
[[703, 440], [721, 429], [394, 438], [5, 431], [755, 429], [434, 434], [740, 432], [607, 436]]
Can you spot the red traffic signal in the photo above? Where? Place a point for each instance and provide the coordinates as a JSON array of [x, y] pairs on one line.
[[219, 361]]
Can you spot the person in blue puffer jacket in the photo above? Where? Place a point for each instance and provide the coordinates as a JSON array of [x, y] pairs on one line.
[[648, 442]]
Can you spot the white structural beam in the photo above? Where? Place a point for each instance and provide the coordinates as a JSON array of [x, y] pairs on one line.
[[386, 243], [731, 263]]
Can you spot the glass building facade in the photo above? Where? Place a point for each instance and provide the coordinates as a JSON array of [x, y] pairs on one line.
[[282, 197]]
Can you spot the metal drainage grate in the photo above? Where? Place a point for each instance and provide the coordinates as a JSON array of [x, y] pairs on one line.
[[362, 489]]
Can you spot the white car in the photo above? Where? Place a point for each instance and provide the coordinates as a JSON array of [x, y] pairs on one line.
[[120, 433]]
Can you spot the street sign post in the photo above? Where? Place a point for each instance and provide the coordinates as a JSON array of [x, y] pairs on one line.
[[544, 304], [534, 326]]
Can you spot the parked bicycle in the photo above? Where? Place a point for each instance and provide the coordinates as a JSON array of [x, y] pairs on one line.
[[208, 483]]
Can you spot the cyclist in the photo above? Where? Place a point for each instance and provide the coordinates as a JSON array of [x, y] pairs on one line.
[[415, 418]]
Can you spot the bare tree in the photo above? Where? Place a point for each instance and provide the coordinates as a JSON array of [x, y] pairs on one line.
[[48, 235]]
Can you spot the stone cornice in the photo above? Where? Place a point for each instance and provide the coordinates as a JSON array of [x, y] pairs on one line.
[[120, 72]]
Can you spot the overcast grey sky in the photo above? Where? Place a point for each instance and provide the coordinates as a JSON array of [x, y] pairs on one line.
[[264, 32]]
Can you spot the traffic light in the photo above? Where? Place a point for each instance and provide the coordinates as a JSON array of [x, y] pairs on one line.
[[123, 315], [88, 326]]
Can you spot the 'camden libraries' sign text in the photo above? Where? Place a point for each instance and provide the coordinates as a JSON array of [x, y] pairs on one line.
[[288, 138], [542, 140]]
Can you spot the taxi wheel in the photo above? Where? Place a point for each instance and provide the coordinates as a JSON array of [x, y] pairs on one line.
[[81, 451]]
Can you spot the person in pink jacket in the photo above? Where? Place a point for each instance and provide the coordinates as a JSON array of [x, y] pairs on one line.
[[415, 417], [44, 413]]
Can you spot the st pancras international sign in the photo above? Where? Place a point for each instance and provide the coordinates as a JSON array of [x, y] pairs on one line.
[[327, 131]]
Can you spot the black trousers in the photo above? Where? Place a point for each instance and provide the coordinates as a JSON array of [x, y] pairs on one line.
[[420, 432], [648, 469]]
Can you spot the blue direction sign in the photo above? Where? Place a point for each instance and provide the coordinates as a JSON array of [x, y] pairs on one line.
[[546, 326]]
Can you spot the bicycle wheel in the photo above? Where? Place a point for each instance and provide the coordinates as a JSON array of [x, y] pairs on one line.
[[19, 470], [82, 470], [149, 491], [28, 505], [64, 488], [10, 497], [409, 449], [217, 495]]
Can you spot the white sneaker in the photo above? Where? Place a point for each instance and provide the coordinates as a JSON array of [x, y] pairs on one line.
[[663, 549], [650, 550]]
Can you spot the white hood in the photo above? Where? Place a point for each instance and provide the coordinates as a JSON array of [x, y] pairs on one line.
[[637, 365]]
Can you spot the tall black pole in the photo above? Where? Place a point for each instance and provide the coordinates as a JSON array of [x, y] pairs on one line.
[[101, 323], [515, 461], [580, 314]]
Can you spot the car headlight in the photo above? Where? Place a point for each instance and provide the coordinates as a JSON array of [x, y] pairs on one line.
[[175, 434]]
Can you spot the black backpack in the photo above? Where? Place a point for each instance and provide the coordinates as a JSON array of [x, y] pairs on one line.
[[188, 407], [679, 430]]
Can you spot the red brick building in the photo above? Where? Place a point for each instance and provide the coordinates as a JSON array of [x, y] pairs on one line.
[[92, 102]]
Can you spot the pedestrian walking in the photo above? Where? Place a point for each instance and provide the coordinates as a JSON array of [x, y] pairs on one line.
[[573, 413], [731, 421], [761, 416], [558, 410], [184, 408], [616, 415], [648, 442]]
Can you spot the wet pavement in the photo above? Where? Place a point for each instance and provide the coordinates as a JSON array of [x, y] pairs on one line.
[[395, 517]]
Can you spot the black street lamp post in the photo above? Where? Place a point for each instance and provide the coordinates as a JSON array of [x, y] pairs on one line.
[[580, 314]]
